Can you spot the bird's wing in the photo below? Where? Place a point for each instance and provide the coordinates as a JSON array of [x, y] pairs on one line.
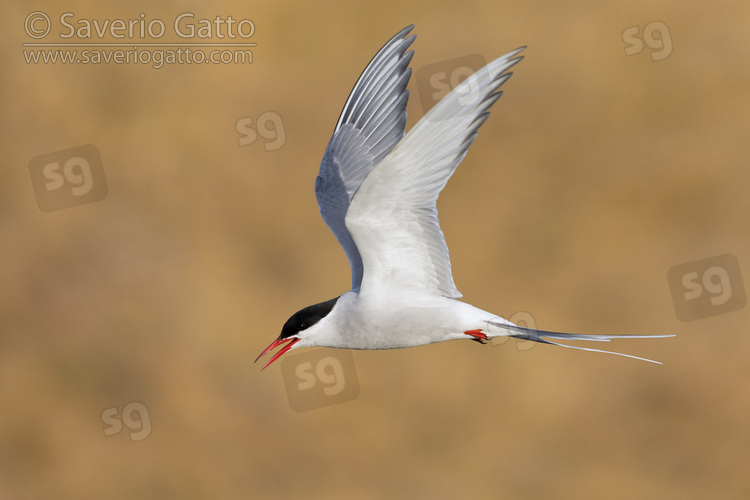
[[372, 122], [393, 216]]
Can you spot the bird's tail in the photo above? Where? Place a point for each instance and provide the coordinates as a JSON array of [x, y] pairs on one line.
[[500, 327]]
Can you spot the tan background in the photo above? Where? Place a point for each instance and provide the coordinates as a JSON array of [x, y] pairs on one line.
[[596, 174]]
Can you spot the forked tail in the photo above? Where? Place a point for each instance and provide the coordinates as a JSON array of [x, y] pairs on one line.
[[503, 328]]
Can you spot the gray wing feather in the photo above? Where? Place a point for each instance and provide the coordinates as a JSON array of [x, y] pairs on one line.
[[372, 122]]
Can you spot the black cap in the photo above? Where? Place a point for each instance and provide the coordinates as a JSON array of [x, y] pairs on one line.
[[307, 317]]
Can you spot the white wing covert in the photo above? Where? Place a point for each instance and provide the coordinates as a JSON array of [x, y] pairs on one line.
[[393, 217]]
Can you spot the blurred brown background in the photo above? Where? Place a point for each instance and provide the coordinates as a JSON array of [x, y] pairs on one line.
[[596, 173]]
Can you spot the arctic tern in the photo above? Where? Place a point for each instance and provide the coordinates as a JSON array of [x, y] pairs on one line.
[[377, 191]]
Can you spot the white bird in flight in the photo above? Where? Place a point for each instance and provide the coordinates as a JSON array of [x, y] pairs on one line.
[[377, 190]]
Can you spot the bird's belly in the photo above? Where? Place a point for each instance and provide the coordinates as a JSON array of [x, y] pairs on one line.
[[394, 325]]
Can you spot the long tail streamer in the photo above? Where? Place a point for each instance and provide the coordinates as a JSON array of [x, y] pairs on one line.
[[543, 336]]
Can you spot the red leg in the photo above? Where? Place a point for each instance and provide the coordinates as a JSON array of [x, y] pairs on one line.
[[477, 335]]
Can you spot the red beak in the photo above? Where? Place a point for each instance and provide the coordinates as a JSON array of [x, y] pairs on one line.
[[276, 343]]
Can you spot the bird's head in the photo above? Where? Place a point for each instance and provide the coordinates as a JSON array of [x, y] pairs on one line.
[[300, 329]]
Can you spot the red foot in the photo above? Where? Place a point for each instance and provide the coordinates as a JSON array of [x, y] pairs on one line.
[[477, 334]]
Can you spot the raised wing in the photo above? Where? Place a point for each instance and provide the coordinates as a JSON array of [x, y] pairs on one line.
[[393, 217], [372, 122]]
